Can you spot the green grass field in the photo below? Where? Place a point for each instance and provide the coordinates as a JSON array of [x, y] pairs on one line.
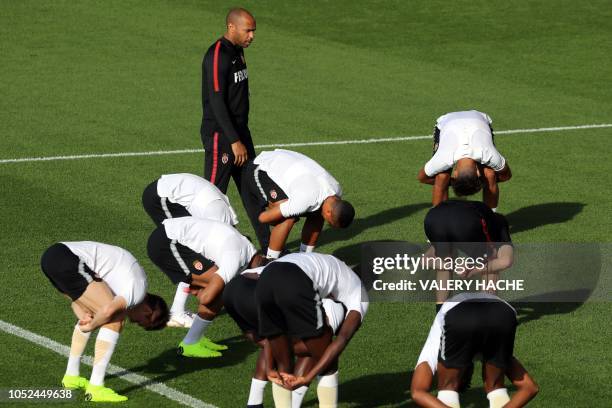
[[81, 77]]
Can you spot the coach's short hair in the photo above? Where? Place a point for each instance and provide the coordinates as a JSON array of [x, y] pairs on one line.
[[466, 184], [343, 213], [160, 314]]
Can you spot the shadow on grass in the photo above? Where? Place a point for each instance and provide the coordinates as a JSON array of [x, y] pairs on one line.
[[537, 215], [168, 365], [375, 390], [527, 309]]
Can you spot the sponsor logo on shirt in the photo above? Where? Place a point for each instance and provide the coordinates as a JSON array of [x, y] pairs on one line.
[[224, 158], [273, 194], [198, 265], [241, 75]]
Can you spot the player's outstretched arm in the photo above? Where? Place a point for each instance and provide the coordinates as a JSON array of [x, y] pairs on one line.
[[349, 327], [422, 378], [504, 174], [440, 188], [424, 178], [526, 387], [312, 228], [272, 215], [503, 261]]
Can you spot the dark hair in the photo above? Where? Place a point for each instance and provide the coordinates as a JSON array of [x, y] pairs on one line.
[[467, 184], [343, 213], [258, 260], [159, 312]]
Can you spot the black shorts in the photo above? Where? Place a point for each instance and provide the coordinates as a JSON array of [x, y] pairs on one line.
[[478, 327], [287, 302], [66, 271], [160, 208], [239, 301], [468, 226], [262, 186], [177, 261]]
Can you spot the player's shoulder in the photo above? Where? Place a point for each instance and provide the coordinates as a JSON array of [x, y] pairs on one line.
[[219, 48]]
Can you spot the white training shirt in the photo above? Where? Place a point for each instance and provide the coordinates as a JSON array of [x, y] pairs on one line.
[[332, 278], [115, 266], [431, 348], [464, 135], [305, 182], [199, 196], [221, 243], [334, 312]]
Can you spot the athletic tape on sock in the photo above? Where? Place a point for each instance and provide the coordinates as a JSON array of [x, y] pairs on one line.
[[450, 398], [498, 398], [282, 396]]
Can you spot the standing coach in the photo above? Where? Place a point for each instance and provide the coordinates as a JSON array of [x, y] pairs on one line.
[[225, 102]]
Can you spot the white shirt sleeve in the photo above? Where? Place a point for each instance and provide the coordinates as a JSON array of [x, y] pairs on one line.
[[229, 266], [357, 299], [493, 159], [430, 351], [441, 161]]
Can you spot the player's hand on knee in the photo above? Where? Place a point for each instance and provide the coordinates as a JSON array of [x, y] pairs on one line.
[[292, 382], [85, 322], [274, 376], [240, 153]]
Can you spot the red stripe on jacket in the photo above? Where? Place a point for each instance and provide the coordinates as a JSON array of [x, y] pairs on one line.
[[216, 67]]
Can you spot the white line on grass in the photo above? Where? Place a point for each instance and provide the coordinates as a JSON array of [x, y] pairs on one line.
[[299, 144], [122, 373]]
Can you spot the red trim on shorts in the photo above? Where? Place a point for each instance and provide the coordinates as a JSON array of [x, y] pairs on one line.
[[216, 67], [215, 153]]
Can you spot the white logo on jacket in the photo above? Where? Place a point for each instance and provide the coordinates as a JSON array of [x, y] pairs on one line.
[[240, 75]]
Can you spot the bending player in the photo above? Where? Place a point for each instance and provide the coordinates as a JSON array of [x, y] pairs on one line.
[[464, 141], [239, 302], [281, 186], [467, 326], [288, 297], [105, 284], [207, 254], [183, 195], [474, 229]]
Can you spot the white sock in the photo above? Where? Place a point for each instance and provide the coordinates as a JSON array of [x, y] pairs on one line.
[[180, 298], [498, 398], [256, 393], [306, 248], [77, 347], [197, 330], [282, 396], [450, 398], [327, 391], [272, 254], [297, 396], [106, 340]]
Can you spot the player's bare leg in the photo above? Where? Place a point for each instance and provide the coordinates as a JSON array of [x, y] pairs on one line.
[[278, 237], [280, 348], [439, 192]]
